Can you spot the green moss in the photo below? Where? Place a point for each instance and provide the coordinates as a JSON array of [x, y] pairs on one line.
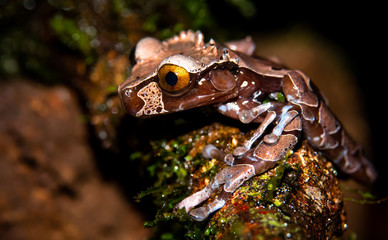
[[70, 33], [172, 167], [274, 182], [280, 97], [364, 197], [258, 222], [261, 207]]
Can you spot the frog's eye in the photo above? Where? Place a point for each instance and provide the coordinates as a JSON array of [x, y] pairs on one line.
[[173, 78]]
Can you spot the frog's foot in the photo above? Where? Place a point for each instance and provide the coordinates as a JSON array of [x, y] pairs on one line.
[[210, 151], [197, 198], [232, 177], [201, 213]]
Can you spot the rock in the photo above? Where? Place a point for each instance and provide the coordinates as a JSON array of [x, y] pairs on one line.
[[299, 198], [49, 185]]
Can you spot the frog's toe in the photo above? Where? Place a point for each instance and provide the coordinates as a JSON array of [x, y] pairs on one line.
[[199, 214], [210, 151], [240, 151]]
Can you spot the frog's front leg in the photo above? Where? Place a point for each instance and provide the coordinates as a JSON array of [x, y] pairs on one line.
[[210, 151], [286, 115], [253, 161], [235, 177]]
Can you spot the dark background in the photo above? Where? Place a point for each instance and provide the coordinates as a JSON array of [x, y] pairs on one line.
[[358, 30]]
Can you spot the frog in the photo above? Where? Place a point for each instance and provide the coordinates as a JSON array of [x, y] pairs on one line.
[[184, 72]]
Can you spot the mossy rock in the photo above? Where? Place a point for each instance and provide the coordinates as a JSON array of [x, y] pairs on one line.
[[300, 198]]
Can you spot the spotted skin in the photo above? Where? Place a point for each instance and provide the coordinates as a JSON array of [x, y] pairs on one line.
[[245, 88]]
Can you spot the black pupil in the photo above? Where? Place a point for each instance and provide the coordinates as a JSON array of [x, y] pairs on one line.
[[171, 78]]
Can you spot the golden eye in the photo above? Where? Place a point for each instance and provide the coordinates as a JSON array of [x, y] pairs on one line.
[[173, 78]]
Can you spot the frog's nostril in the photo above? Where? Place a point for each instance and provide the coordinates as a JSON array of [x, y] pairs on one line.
[[128, 92]]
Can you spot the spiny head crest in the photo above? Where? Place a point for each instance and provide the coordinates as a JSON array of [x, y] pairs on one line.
[[189, 36], [191, 39], [187, 50]]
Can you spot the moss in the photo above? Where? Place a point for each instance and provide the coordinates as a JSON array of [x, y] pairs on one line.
[[281, 203], [74, 37]]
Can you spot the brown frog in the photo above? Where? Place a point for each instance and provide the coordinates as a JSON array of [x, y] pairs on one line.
[[184, 72]]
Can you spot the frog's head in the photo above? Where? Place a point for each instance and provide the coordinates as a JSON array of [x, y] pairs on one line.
[[177, 74]]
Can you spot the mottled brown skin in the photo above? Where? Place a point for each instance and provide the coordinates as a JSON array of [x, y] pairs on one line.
[[183, 72]]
